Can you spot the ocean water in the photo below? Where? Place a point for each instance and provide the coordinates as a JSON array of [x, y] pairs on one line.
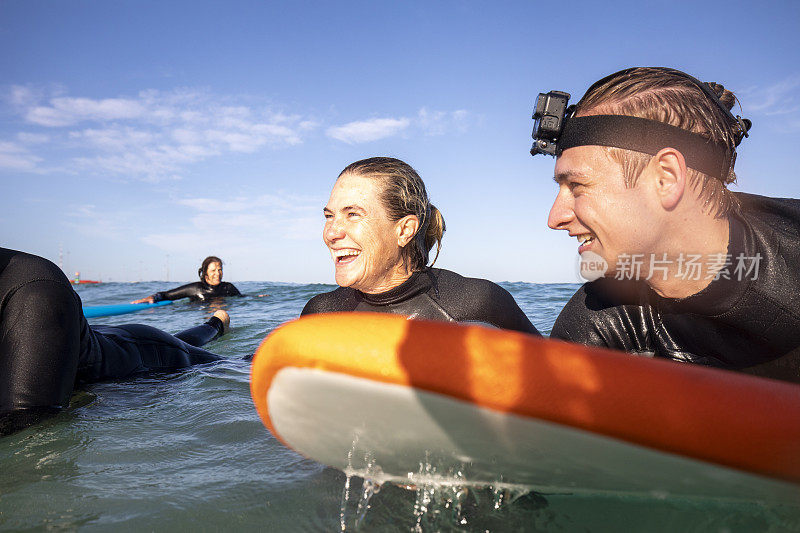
[[187, 451]]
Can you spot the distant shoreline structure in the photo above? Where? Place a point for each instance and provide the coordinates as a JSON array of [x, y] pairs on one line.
[[76, 280]]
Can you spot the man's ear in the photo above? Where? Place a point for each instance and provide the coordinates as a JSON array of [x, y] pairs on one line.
[[669, 172], [406, 228]]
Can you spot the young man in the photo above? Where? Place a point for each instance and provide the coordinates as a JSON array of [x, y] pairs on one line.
[[693, 272]]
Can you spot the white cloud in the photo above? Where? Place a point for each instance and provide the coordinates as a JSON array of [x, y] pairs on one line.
[[157, 135], [234, 205], [65, 111], [32, 138], [368, 130], [308, 125], [20, 96], [151, 136], [249, 138], [213, 205], [441, 122], [272, 203], [150, 165], [426, 122], [184, 242], [16, 157], [241, 223], [114, 139], [777, 99], [93, 221]]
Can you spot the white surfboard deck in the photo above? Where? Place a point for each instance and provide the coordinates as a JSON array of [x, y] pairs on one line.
[[408, 436]]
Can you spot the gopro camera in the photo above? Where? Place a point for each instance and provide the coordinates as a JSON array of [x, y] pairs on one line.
[[549, 115]]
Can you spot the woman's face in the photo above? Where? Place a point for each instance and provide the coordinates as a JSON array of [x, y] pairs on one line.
[[214, 273], [363, 241]]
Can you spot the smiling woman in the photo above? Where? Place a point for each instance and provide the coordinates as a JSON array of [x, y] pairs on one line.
[[209, 286], [380, 228]]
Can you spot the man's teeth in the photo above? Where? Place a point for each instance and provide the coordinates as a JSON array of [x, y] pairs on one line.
[[585, 239]]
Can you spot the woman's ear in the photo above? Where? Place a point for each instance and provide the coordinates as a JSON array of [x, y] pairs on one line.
[[669, 179], [406, 228]]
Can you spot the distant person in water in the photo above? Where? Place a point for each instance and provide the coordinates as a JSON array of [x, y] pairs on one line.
[[47, 347], [209, 286], [380, 227]]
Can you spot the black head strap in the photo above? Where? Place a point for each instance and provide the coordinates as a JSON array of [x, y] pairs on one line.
[[743, 125], [649, 137]]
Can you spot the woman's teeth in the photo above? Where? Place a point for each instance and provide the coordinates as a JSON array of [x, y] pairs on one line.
[[346, 255]]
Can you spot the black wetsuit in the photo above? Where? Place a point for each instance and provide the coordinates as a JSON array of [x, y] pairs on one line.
[[198, 291], [432, 294], [751, 325], [47, 347]]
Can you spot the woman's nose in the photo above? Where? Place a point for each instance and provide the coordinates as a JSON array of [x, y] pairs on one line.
[[333, 230]]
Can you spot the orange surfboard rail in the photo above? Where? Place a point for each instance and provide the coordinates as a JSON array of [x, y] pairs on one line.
[[721, 417]]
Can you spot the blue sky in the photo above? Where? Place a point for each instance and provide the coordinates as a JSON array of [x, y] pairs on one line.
[[139, 137]]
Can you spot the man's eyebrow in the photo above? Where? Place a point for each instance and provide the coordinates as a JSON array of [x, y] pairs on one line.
[[326, 210], [561, 177]]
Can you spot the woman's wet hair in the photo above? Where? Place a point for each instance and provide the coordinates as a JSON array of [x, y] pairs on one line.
[[204, 267], [660, 94], [403, 193]]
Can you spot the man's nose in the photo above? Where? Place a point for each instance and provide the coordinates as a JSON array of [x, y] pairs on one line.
[[562, 212]]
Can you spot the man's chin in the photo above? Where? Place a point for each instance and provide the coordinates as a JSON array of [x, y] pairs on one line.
[[592, 266]]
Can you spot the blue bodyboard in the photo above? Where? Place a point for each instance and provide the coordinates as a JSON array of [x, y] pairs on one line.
[[92, 311]]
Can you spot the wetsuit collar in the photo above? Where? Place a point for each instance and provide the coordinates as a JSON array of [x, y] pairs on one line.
[[721, 294], [417, 283]]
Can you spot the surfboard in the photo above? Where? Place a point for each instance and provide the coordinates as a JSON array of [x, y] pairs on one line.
[[92, 311], [411, 402]]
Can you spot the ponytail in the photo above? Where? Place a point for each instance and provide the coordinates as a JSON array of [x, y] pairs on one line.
[[434, 232]]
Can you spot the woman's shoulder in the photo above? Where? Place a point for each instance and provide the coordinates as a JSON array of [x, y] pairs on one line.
[[449, 280], [190, 285], [184, 291], [339, 299], [480, 300], [229, 287]]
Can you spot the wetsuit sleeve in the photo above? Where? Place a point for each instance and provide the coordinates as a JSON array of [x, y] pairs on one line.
[[605, 313], [184, 291], [202, 334]]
